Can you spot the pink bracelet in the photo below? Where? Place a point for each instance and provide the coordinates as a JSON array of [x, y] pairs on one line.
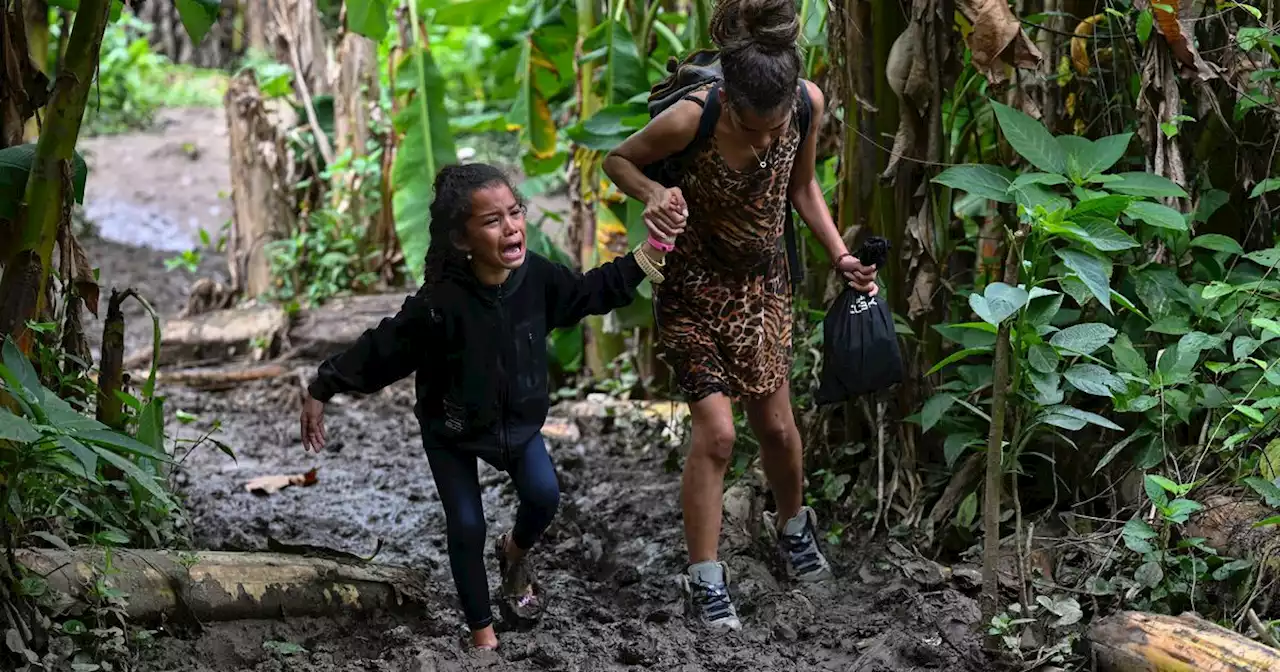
[[659, 245]]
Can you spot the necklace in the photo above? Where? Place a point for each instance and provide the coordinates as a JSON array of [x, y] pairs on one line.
[[763, 164]]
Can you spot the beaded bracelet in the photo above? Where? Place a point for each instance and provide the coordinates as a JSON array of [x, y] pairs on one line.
[[647, 264]]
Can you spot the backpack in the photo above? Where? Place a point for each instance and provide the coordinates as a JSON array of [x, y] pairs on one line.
[[697, 70]]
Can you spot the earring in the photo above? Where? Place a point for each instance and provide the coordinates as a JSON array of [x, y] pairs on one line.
[[468, 256]]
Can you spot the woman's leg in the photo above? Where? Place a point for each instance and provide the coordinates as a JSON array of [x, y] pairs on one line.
[[458, 483], [774, 425], [702, 484], [702, 499], [794, 525]]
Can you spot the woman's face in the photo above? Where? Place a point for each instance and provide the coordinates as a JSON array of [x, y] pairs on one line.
[[758, 129], [494, 233]]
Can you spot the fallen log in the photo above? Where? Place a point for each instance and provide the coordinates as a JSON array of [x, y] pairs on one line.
[[255, 332], [1134, 641], [224, 586], [261, 332], [217, 379]]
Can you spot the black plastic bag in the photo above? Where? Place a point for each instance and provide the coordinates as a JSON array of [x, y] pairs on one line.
[[860, 348]]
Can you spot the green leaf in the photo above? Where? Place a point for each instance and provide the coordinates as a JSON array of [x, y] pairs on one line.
[[1046, 179], [1145, 22], [989, 182], [1266, 489], [15, 165], [998, 302], [368, 18], [1243, 347], [955, 444], [16, 428], [24, 375], [967, 511], [120, 442], [1265, 187], [957, 356], [1033, 196], [1093, 379], [1048, 387], [1030, 139], [1086, 416], [1269, 258], [198, 16], [1127, 358], [1211, 201], [1105, 207], [1105, 236], [531, 111], [147, 481], [1154, 214], [1094, 157], [1146, 184], [87, 458], [1149, 574], [1043, 307], [1229, 568], [1083, 338], [1180, 510], [1093, 272], [151, 425], [425, 146], [1218, 243], [934, 409], [1043, 358], [624, 73], [1115, 450]]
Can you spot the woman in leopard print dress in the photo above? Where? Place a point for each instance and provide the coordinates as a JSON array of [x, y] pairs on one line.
[[724, 309]]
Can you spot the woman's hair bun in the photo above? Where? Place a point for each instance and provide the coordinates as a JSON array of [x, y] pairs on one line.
[[771, 25]]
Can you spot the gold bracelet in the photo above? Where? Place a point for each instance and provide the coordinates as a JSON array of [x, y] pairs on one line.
[[647, 265]]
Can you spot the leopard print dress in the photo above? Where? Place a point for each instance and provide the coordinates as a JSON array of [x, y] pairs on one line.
[[723, 311]]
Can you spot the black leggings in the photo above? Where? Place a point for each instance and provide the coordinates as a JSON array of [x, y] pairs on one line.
[[457, 481]]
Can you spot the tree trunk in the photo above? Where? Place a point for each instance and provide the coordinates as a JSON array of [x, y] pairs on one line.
[[260, 183], [1133, 641], [23, 286], [223, 586], [357, 76]]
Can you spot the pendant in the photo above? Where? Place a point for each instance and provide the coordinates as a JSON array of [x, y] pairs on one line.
[[763, 164]]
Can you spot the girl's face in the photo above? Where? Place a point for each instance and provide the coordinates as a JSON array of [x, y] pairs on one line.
[[494, 234]]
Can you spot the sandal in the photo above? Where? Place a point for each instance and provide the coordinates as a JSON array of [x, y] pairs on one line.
[[518, 603]]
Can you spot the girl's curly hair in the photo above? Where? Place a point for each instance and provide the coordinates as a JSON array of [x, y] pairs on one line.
[[451, 208], [758, 53]]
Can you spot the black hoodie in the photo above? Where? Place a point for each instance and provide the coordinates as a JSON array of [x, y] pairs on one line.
[[479, 351]]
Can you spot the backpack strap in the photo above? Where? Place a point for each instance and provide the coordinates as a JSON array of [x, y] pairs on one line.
[[789, 228]]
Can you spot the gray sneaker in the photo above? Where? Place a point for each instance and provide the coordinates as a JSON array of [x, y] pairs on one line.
[[706, 587], [798, 546]]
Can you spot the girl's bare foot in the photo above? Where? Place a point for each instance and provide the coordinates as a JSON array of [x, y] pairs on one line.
[[484, 638]]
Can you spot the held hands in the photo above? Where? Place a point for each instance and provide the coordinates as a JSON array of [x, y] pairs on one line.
[[313, 435], [666, 214], [861, 278]]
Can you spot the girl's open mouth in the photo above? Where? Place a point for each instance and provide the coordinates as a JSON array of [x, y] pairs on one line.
[[513, 252]]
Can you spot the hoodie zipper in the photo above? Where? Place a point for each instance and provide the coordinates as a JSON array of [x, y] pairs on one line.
[[503, 375]]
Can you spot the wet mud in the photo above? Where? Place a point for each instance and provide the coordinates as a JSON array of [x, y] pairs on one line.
[[609, 562]]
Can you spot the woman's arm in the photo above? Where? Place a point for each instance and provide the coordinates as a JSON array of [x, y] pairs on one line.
[[571, 295], [381, 356], [806, 197], [664, 136]]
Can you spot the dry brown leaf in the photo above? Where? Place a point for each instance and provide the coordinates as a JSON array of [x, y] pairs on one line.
[[1080, 43], [1169, 25], [82, 275], [997, 40], [266, 485]]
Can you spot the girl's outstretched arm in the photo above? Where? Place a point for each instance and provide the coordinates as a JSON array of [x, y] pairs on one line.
[[572, 296], [381, 356]]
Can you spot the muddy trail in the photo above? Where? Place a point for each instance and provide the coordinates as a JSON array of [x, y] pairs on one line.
[[609, 562]]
